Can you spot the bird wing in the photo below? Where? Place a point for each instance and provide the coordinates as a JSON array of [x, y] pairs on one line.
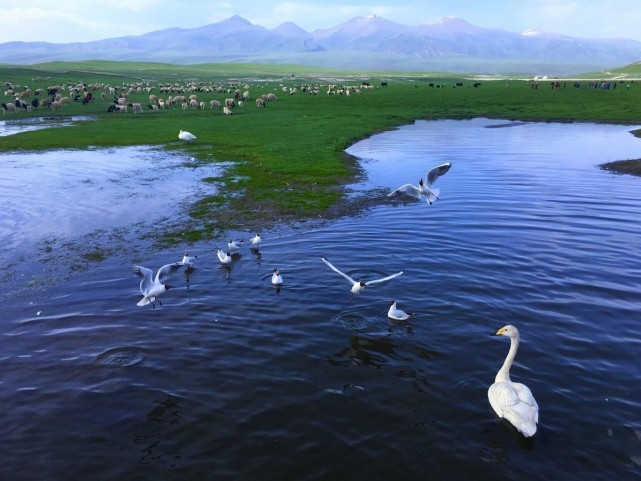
[[146, 276], [165, 271], [351, 281], [408, 189], [514, 402], [436, 172], [376, 281]]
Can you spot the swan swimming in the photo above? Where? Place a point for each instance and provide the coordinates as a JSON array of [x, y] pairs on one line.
[[188, 136], [358, 286], [151, 288], [512, 400], [424, 188]]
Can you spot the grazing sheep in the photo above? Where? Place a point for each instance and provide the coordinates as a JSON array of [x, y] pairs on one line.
[[153, 107], [227, 111], [56, 105], [11, 108], [45, 103], [137, 108], [229, 103], [214, 104], [260, 103], [271, 97], [193, 103]]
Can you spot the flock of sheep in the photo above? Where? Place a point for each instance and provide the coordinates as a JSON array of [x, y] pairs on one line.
[[184, 95]]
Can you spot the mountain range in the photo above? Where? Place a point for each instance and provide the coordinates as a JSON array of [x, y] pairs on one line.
[[366, 43]]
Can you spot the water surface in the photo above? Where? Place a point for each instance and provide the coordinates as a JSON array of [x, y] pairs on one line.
[[233, 379]]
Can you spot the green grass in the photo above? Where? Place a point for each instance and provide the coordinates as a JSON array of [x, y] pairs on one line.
[[287, 161]]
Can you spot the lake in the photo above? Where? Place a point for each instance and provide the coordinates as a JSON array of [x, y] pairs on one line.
[[233, 379]]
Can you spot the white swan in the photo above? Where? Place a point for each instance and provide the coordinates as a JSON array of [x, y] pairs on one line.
[[151, 288], [188, 136], [512, 400], [424, 188], [358, 286]]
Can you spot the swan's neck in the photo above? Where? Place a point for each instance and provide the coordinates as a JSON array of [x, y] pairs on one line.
[[504, 373]]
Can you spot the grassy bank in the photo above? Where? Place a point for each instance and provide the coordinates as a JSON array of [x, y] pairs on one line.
[[287, 160]]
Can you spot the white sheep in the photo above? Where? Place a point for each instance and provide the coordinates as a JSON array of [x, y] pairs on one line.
[[137, 108], [260, 103], [193, 103], [10, 107], [214, 104], [227, 111]]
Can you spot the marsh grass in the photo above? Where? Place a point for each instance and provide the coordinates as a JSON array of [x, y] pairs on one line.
[[287, 161]]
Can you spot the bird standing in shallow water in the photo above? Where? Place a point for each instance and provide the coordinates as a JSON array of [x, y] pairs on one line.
[[188, 260], [151, 287], [358, 286], [512, 400], [233, 245], [424, 188], [255, 241], [187, 136]]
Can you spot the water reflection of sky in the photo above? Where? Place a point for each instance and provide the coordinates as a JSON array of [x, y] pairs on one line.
[[12, 127], [73, 192]]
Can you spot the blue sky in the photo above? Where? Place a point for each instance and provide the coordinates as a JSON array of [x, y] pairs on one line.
[[62, 21]]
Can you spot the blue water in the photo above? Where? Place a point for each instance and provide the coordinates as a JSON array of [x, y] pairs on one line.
[[233, 379]]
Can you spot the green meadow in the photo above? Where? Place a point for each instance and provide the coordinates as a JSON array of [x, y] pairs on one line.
[[287, 161]]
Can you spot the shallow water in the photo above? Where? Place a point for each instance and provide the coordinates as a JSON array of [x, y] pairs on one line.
[[233, 379]]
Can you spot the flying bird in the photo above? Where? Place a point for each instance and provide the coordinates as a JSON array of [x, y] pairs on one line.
[[424, 189], [512, 400], [188, 136], [358, 286], [397, 314], [151, 287]]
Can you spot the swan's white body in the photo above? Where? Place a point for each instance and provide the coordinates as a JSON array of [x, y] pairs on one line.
[[223, 256], [277, 278], [151, 287], [358, 286], [424, 189], [397, 314], [184, 135], [512, 400]]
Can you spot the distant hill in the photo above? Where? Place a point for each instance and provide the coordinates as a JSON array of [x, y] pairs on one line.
[[370, 43]]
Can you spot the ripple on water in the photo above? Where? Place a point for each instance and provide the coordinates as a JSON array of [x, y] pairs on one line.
[[121, 357]]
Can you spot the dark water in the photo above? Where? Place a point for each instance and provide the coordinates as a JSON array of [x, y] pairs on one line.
[[232, 379]]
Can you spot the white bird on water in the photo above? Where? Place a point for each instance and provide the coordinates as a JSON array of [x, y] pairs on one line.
[[188, 260], [358, 286], [233, 245], [151, 287], [188, 136], [223, 256], [424, 188], [397, 314], [277, 278], [512, 400], [255, 241]]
